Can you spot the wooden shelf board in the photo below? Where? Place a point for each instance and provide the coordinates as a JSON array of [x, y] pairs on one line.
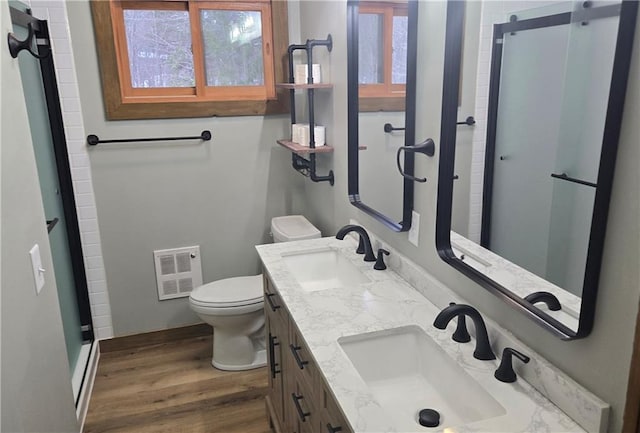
[[296, 148], [293, 86]]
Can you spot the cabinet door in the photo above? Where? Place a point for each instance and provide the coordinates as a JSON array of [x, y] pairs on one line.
[[274, 355], [277, 329]]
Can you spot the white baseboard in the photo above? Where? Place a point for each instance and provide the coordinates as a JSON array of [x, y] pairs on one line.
[[87, 387]]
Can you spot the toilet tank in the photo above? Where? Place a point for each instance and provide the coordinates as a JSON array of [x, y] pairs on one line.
[[293, 228]]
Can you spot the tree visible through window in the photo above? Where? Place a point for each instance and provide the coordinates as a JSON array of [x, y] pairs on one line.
[[166, 52], [232, 48], [159, 48], [382, 50]]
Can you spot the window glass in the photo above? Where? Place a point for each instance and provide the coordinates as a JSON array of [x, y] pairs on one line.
[[371, 49], [159, 48], [232, 47], [399, 46]]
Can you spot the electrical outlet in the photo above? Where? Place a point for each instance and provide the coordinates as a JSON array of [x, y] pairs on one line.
[[414, 231], [36, 267]]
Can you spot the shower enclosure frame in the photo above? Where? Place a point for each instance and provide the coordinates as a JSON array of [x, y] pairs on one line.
[[47, 69]]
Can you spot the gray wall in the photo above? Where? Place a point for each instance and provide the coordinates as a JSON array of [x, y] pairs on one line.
[[220, 195], [35, 381], [608, 349], [378, 162]]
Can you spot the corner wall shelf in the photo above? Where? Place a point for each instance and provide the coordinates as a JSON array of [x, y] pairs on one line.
[[306, 165]]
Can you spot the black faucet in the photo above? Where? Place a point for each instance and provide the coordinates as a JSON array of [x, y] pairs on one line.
[[364, 240], [483, 348]]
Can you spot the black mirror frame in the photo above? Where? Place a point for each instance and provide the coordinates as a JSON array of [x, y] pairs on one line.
[[353, 112], [617, 93]]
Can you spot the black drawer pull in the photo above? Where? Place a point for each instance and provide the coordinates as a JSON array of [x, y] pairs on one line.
[[273, 306], [332, 429], [296, 401], [296, 356], [272, 355]]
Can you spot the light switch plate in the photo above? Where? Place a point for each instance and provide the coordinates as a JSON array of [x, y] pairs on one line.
[[36, 265], [414, 231]]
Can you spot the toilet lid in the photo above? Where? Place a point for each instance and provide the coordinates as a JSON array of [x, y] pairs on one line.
[[230, 292]]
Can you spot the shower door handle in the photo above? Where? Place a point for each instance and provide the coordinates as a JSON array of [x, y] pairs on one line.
[[51, 224]]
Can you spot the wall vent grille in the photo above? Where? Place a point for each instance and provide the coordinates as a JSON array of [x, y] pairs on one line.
[[178, 271]]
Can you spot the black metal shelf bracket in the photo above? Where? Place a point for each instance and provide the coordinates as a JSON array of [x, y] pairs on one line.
[[93, 140], [307, 167]]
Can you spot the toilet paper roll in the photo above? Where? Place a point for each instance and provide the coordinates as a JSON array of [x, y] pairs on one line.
[[301, 74], [305, 136], [297, 131]]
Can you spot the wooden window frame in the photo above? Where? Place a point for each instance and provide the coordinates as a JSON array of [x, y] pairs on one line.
[[122, 101], [384, 96]]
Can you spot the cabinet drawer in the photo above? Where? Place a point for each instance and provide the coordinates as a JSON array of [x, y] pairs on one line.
[[331, 419], [302, 362], [273, 304], [304, 412]]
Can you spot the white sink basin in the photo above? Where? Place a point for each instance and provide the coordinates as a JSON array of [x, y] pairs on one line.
[[323, 269], [407, 371]]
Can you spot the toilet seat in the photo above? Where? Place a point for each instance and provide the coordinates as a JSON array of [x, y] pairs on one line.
[[237, 295]]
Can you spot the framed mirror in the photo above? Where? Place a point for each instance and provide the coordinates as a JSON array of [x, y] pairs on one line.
[[551, 80], [381, 46]]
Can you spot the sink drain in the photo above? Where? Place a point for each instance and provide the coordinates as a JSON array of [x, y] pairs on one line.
[[429, 418]]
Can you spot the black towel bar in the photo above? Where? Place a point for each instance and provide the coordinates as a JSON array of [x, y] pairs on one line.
[[389, 127], [93, 140], [470, 121]]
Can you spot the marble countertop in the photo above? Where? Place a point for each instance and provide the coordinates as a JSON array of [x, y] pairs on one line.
[[388, 302]]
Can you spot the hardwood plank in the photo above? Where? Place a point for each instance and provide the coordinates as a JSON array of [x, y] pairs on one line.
[[170, 386], [140, 397], [146, 339]]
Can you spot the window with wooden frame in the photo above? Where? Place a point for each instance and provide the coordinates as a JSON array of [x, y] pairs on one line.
[[191, 58], [382, 54]]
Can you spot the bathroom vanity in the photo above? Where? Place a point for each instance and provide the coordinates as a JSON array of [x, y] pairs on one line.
[[352, 349], [299, 398]]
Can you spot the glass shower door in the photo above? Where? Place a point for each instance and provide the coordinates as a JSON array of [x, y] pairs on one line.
[[529, 115], [41, 134]]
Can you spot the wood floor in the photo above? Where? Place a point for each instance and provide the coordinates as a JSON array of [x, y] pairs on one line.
[[170, 386]]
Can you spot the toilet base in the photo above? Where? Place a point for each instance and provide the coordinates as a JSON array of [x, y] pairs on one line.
[[260, 361]]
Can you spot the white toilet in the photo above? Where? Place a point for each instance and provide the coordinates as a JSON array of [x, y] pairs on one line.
[[234, 306]]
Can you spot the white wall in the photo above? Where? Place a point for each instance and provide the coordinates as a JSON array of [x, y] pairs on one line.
[[36, 393], [378, 162], [608, 348]]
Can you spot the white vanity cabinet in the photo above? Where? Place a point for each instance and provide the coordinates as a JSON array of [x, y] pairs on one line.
[[299, 399]]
